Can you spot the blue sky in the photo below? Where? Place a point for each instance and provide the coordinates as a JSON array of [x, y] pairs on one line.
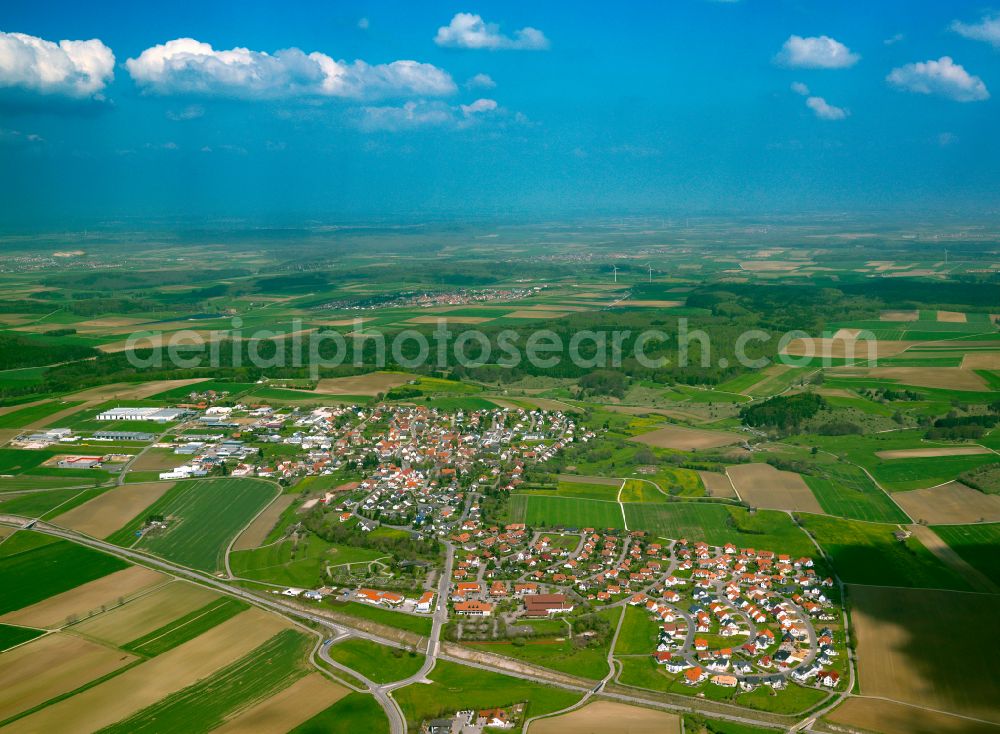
[[495, 109]]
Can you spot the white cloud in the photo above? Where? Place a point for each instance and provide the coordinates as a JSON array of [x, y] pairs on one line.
[[187, 66], [363, 24], [191, 112], [76, 69], [800, 88], [825, 111], [987, 29], [478, 107], [894, 39], [410, 115], [18, 138], [943, 77], [945, 139], [468, 30], [480, 81], [817, 52], [428, 114]]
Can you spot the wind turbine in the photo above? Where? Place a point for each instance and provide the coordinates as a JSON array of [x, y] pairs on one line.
[[615, 268], [650, 273]]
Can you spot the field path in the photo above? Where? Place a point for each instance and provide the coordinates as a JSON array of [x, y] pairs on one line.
[[950, 558], [622, 506], [731, 484]]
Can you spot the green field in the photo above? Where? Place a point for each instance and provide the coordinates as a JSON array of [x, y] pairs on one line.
[[355, 712], [846, 491], [11, 635], [22, 377], [26, 416], [187, 627], [456, 687], [9, 485], [637, 490], [30, 572], [18, 461], [204, 705], [718, 524], [376, 662], [296, 562], [544, 511], [580, 490], [204, 517], [638, 633], [280, 394], [867, 553], [23, 541], [897, 474], [51, 503], [742, 383], [676, 482], [182, 393], [979, 545], [904, 474]]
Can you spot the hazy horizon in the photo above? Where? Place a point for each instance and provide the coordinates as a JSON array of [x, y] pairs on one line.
[[499, 110]]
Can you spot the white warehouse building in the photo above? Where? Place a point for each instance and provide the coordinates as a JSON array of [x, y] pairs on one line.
[[159, 415]]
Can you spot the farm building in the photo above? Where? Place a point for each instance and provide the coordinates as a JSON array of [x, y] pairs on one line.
[[544, 605]]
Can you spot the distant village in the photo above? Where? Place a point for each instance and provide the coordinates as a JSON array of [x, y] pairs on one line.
[[426, 299]]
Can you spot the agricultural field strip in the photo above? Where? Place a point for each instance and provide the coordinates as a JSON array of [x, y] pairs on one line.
[[51, 666], [64, 609], [171, 628]]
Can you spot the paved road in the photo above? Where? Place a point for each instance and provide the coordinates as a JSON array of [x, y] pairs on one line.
[[397, 722]]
